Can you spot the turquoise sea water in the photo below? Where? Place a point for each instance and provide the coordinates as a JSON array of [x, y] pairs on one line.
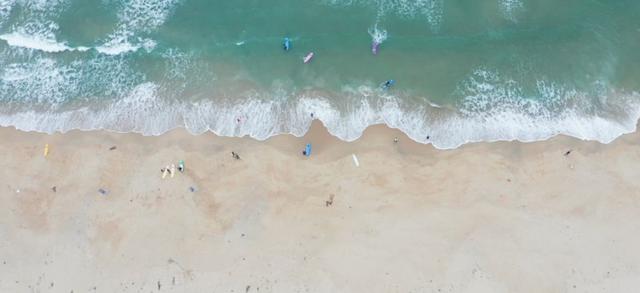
[[464, 70]]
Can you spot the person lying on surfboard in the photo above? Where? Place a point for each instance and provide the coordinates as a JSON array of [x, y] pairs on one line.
[[387, 84]]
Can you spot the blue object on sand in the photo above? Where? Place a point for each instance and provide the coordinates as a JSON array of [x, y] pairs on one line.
[[307, 150], [286, 45]]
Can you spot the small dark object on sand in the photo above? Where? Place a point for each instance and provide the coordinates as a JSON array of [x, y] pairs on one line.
[[330, 201], [112, 148], [102, 191], [567, 153], [247, 289], [192, 189], [235, 155], [55, 189]]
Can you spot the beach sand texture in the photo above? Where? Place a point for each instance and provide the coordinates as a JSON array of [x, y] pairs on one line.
[[487, 217]]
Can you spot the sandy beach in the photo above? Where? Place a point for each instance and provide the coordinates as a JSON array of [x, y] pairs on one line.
[[487, 217]]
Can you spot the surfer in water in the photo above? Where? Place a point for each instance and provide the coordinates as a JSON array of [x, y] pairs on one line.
[[388, 84], [286, 44]]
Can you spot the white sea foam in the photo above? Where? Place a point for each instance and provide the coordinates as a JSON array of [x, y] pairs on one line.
[[511, 8], [5, 10], [36, 25], [492, 108], [137, 17], [47, 84], [117, 46], [44, 82], [143, 110], [120, 44], [38, 30], [432, 10], [37, 42], [378, 36]]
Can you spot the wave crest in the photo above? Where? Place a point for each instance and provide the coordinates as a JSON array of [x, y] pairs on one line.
[[137, 17], [432, 10], [38, 42]]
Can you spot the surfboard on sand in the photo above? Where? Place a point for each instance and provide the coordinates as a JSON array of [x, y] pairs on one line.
[[173, 170], [308, 58], [46, 149], [307, 150], [355, 160]]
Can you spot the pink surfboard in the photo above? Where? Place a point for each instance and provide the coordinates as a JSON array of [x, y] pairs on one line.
[[374, 48]]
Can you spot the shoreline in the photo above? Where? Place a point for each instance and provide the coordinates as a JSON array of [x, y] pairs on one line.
[[445, 127], [485, 217]]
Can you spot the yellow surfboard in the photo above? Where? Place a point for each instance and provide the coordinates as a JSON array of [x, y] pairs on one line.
[[46, 149]]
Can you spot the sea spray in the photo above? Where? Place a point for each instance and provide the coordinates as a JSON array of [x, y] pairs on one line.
[[377, 38], [136, 18], [5, 10], [511, 8]]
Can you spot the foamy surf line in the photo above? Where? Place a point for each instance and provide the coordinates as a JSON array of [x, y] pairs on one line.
[[262, 120], [17, 39], [20, 40], [137, 16]]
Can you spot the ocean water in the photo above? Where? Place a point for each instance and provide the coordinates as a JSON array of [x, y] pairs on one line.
[[465, 71]]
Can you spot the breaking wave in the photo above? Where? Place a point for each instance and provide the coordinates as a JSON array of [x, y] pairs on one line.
[[5, 10], [489, 112], [431, 10], [137, 17], [37, 42]]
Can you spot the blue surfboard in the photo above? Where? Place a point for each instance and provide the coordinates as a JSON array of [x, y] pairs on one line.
[[307, 150]]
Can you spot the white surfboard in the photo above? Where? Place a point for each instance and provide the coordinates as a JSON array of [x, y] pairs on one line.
[[164, 173], [308, 58]]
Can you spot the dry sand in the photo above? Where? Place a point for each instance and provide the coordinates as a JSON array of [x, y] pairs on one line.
[[488, 217]]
